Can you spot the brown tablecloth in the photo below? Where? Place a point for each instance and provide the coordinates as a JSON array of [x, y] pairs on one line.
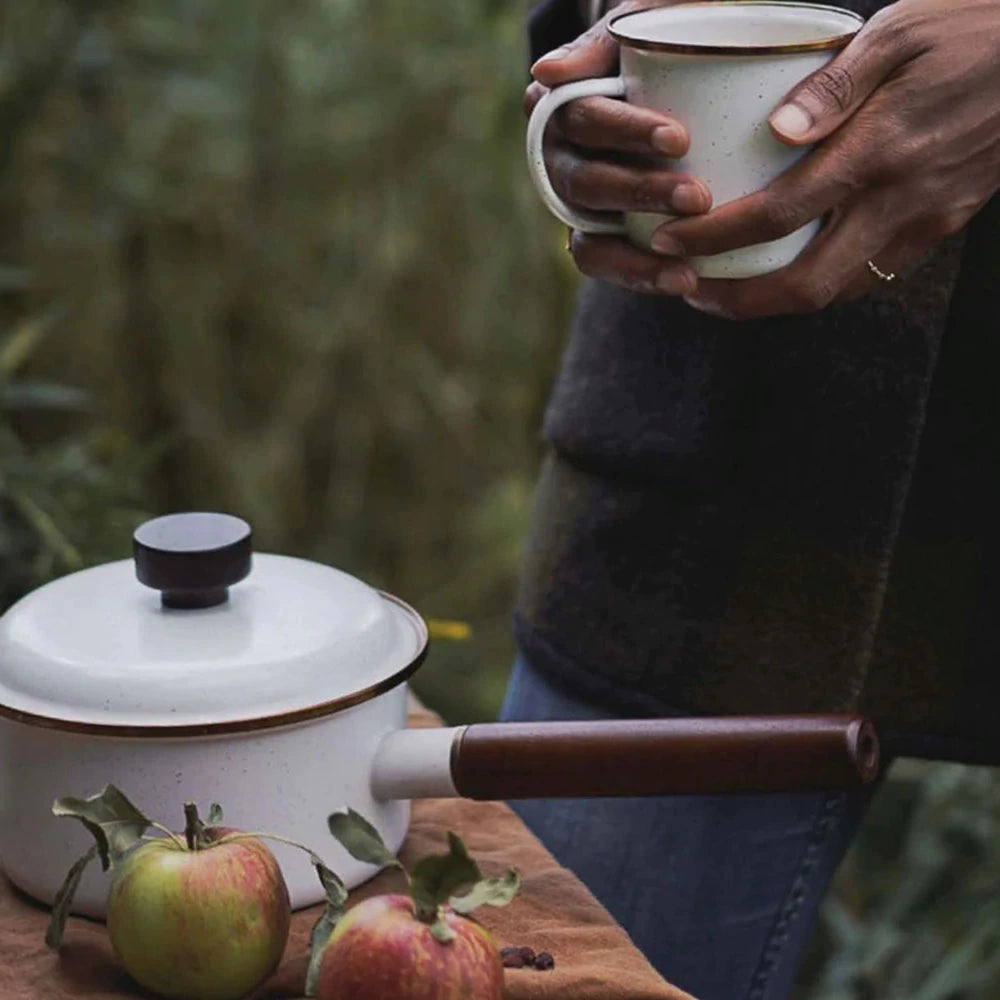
[[594, 958]]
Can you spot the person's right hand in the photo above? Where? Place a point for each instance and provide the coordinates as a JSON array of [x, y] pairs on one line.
[[607, 155]]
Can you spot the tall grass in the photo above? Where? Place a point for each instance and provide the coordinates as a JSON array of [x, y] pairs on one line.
[[297, 251]]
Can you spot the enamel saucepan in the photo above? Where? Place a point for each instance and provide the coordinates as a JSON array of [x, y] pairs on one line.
[[277, 687]]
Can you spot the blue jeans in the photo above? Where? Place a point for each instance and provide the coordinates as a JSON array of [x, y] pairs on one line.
[[719, 892]]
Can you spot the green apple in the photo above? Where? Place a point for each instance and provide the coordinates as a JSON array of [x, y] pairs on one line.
[[381, 950], [206, 920]]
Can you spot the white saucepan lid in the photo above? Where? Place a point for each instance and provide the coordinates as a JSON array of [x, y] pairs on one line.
[[197, 635]]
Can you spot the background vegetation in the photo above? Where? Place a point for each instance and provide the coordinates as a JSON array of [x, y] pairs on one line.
[[283, 260]]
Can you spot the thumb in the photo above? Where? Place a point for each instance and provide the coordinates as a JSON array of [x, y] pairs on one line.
[[825, 100], [594, 53]]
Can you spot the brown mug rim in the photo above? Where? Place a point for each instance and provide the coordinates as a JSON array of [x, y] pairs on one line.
[[694, 48]]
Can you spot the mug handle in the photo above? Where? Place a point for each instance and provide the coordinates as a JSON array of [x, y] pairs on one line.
[[586, 222]]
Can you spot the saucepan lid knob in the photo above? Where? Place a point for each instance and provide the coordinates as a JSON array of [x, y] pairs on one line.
[[193, 558]]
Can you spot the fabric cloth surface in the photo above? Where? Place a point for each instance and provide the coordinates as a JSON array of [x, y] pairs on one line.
[[594, 958]]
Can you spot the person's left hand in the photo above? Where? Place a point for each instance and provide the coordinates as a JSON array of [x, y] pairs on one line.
[[910, 115]]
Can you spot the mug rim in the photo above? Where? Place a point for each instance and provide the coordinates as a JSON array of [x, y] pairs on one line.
[[696, 48]]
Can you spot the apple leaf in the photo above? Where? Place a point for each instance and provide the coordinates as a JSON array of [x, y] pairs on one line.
[[64, 899], [336, 891], [336, 897], [489, 892], [116, 824], [435, 877], [441, 931], [320, 935], [361, 840]]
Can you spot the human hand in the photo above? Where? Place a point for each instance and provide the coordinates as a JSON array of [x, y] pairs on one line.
[[605, 154], [908, 114]]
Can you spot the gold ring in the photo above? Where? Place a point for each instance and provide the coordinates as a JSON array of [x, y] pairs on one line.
[[873, 267]]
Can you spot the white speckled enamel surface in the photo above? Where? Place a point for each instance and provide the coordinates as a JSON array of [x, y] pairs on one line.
[[723, 100], [97, 647], [285, 781]]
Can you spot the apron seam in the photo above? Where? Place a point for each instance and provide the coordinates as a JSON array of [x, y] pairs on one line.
[[790, 909]]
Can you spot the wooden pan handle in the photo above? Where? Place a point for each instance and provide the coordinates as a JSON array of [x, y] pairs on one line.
[[688, 756]]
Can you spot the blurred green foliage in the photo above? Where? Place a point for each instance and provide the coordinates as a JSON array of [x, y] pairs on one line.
[[283, 259], [298, 254], [915, 909], [64, 503]]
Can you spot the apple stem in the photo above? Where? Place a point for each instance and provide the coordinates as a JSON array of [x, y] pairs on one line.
[[191, 824], [170, 833]]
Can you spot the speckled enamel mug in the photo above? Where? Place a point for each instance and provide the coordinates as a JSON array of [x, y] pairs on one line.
[[720, 68]]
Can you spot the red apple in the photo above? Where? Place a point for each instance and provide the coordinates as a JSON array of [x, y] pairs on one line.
[[379, 950], [208, 923]]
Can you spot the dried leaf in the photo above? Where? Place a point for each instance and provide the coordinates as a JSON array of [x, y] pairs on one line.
[[320, 935], [488, 892], [214, 814], [361, 840], [336, 897], [435, 877], [64, 899], [116, 824], [336, 891]]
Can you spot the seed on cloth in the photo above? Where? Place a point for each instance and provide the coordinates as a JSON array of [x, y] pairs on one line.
[[524, 957], [512, 958]]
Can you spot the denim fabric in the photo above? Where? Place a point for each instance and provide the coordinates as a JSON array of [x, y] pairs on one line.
[[719, 892]]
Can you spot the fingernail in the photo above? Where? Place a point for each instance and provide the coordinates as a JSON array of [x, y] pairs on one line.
[[676, 282], [666, 139], [555, 54], [688, 198], [706, 306], [663, 242], [791, 120]]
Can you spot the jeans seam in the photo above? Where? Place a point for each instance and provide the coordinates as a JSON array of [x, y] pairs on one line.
[[778, 937]]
